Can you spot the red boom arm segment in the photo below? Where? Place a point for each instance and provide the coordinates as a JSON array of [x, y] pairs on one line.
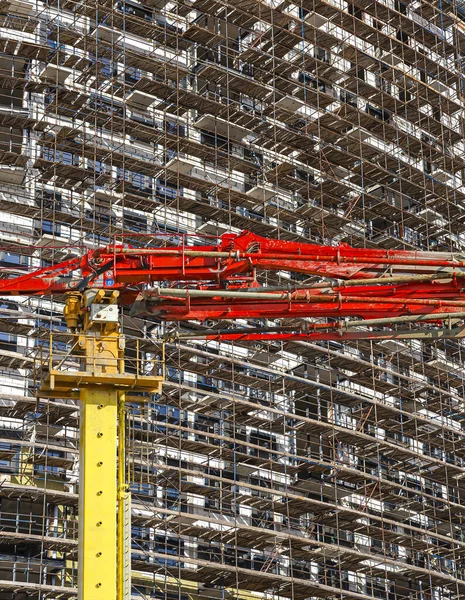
[[219, 281]]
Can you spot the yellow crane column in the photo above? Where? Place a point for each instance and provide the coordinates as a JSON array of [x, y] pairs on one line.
[[101, 381], [124, 510], [97, 494]]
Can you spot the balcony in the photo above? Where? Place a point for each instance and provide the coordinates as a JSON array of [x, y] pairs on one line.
[[221, 127], [140, 99], [12, 175]]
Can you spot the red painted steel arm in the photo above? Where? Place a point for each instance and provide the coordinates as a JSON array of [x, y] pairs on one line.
[[240, 256], [219, 281], [55, 279], [342, 302]]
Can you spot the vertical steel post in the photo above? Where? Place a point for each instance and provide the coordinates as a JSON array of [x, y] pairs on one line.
[[124, 509], [102, 345], [97, 497], [104, 538]]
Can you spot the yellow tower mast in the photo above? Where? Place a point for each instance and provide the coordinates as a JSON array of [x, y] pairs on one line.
[[101, 383]]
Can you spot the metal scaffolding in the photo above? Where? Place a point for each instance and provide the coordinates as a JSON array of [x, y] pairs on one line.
[[266, 469]]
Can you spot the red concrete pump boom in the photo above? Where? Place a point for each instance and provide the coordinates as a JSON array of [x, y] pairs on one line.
[[220, 281]]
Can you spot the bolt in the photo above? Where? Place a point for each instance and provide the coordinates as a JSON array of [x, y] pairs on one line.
[[99, 434], [98, 585], [99, 464], [99, 493], [100, 406], [99, 523], [98, 555]]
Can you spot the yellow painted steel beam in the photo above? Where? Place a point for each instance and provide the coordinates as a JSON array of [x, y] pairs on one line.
[[104, 538], [97, 494], [124, 510]]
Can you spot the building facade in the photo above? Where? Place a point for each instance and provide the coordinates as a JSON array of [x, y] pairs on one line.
[[265, 470]]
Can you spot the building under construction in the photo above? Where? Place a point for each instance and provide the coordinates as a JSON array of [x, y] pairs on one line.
[[264, 470]]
